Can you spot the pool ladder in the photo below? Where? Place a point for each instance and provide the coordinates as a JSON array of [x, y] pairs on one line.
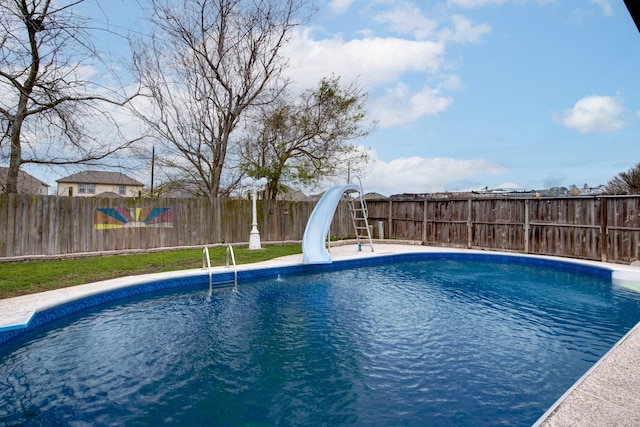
[[206, 263]]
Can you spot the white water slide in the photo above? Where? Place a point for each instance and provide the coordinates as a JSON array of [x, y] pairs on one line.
[[315, 234]]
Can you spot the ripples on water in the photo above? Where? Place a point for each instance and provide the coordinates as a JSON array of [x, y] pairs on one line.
[[434, 342]]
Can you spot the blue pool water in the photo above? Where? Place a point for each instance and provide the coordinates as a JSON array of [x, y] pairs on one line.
[[433, 342]]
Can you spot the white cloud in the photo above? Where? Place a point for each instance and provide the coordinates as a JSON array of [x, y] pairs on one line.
[[407, 76], [374, 60], [408, 19], [605, 5], [339, 7], [470, 4], [420, 175], [594, 114], [465, 31], [380, 65], [400, 106]]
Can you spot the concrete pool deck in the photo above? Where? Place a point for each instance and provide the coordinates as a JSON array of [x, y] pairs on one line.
[[607, 395]]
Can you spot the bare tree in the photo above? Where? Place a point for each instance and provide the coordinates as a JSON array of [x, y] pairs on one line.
[[625, 182], [305, 139], [50, 96], [208, 63]]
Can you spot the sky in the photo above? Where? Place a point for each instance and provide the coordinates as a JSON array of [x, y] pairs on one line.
[[469, 94], [474, 94]]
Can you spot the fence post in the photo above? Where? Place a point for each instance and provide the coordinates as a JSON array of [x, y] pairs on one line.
[[424, 222], [390, 219], [217, 218], [526, 226], [469, 225], [603, 229]]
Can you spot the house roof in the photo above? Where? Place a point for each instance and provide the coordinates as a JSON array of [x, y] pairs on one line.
[[289, 193], [100, 177], [374, 196], [27, 184]]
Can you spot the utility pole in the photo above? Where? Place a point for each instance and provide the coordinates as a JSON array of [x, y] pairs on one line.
[[153, 162]]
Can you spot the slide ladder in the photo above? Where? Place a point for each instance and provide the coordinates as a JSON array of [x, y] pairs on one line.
[[360, 218]]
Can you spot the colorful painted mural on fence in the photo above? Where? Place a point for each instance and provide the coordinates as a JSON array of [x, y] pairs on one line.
[[108, 218]]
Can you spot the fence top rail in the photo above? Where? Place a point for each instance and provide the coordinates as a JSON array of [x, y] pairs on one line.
[[428, 197], [461, 198]]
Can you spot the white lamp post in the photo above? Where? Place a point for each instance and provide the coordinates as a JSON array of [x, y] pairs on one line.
[[254, 185]]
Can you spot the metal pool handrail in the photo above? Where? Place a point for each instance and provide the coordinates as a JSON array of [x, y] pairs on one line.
[[205, 255], [233, 260], [206, 263]]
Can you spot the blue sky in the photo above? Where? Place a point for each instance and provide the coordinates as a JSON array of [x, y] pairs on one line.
[[486, 93], [470, 94]]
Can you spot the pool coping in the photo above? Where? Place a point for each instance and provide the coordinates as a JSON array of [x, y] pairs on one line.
[[607, 394]]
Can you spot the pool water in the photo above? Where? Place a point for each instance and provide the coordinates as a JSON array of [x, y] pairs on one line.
[[436, 342]]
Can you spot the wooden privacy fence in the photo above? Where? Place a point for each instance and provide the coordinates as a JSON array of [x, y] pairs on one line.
[[604, 228], [53, 225], [596, 228]]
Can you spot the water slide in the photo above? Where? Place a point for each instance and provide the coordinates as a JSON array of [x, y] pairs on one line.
[[314, 250]]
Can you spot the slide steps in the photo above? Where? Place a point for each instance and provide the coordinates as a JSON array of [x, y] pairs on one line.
[[360, 220]]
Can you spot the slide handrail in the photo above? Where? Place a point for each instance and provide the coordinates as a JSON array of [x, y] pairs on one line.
[[233, 261]]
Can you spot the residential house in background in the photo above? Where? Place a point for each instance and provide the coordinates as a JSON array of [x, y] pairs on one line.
[[27, 184], [99, 184], [375, 196], [291, 194]]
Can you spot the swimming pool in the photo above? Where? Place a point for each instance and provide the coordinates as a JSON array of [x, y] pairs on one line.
[[448, 340]]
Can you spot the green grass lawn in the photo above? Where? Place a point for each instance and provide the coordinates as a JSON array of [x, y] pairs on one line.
[[38, 276]]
